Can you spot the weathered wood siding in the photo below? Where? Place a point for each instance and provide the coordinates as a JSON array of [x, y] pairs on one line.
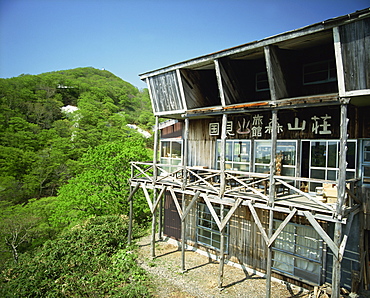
[[355, 44], [165, 93], [201, 144], [246, 245]]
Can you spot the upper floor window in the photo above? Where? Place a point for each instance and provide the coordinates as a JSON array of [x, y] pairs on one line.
[[171, 150], [319, 72], [262, 83], [237, 155], [285, 157]]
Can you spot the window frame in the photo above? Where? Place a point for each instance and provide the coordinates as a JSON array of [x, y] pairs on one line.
[[293, 243], [213, 232], [327, 168], [171, 160], [329, 68], [267, 144], [230, 161]]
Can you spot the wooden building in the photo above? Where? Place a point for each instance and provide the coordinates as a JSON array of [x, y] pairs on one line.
[[265, 158]]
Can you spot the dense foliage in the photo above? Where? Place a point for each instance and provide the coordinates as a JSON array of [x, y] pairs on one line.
[[60, 167], [89, 260], [40, 144]]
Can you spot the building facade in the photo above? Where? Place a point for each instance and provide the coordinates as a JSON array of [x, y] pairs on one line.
[[265, 160]]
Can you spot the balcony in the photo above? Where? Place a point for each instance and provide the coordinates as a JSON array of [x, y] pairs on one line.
[[253, 189]]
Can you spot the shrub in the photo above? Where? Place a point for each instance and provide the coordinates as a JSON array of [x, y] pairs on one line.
[[89, 260]]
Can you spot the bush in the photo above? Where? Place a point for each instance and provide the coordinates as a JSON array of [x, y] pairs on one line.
[[89, 260]]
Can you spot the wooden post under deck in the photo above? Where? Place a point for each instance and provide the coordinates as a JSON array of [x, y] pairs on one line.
[[155, 153], [222, 191], [271, 200], [184, 178], [341, 198]]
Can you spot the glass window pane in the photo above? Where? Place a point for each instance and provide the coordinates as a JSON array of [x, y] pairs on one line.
[[176, 150], [245, 148], [318, 174], [351, 155], [263, 152], [332, 154], [166, 151], [332, 175], [288, 150], [318, 154], [229, 150]]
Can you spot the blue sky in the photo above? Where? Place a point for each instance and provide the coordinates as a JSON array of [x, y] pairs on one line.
[[129, 37]]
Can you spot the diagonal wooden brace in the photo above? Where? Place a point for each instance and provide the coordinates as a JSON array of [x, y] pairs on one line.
[[282, 226], [258, 223]]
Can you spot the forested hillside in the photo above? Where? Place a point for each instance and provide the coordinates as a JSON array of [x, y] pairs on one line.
[[65, 149], [39, 144]]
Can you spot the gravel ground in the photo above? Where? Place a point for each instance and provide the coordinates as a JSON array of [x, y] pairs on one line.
[[201, 277]]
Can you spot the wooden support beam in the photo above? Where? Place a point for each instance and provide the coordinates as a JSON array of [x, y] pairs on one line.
[[174, 197], [183, 187], [339, 62], [341, 186], [132, 193], [275, 73], [159, 197], [187, 210], [258, 223], [272, 193], [219, 82], [147, 197], [131, 214], [334, 248], [212, 210], [222, 252], [226, 219], [222, 156], [155, 172], [282, 226]]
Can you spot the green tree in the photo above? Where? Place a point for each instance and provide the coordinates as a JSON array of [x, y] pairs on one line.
[[103, 184]]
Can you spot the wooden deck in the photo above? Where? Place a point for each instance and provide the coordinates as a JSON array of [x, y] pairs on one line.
[[249, 187]]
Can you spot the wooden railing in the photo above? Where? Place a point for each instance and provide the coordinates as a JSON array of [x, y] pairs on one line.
[[236, 182]]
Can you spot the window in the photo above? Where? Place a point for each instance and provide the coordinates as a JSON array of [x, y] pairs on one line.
[[171, 151], [208, 233], [319, 72], [297, 251], [324, 161], [262, 156], [237, 155], [366, 162], [262, 83]]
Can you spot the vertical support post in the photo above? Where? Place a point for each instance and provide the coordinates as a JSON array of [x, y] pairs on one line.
[[222, 252], [341, 197], [129, 233], [184, 179], [155, 172], [222, 191], [271, 200], [222, 156]]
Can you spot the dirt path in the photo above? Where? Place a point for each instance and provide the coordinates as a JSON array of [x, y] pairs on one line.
[[201, 277]]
